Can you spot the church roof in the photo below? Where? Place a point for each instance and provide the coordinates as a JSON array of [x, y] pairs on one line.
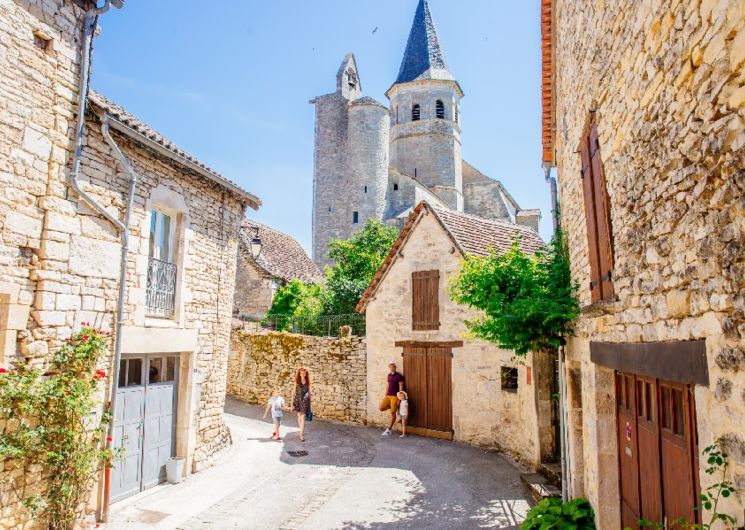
[[424, 57], [471, 236], [281, 255]]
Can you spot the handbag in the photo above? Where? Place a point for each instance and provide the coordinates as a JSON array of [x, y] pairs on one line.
[[309, 415]]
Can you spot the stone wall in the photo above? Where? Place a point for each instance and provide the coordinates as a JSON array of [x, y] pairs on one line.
[[483, 413], [254, 293], [338, 367], [59, 261], [667, 83]]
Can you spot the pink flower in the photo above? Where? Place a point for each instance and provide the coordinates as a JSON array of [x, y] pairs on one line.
[[3, 371], [109, 439], [100, 374], [86, 337]]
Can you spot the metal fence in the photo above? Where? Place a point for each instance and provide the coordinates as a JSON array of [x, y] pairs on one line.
[[322, 326]]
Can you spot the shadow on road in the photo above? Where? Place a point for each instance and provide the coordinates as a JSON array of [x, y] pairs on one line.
[[447, 485]]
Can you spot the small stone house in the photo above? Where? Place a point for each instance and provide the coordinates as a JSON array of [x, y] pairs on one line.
[[60, 258], [644, 123], [459, 388], [282, 259]]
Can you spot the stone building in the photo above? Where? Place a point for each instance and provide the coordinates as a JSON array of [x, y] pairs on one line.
[[459, 388], [60, 255], [388, 158], [644, 121], [282, 259]]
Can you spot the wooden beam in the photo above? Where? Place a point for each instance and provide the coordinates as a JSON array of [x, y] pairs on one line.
[[421, 431], [680, 361], [429, 344]]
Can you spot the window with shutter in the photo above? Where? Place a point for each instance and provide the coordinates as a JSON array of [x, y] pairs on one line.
[[597, 214], [425, 310]]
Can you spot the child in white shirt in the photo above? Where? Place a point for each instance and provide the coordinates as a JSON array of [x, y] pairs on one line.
[[276, 403], [403, 411]]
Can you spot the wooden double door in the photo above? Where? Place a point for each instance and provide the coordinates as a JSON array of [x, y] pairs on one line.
[[427, 369], [658, 450]]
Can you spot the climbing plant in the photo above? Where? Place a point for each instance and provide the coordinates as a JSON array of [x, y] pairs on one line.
[[526, 302], [717, 463], [46, 421]]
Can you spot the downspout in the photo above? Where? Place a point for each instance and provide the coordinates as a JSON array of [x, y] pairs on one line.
[[91, 20], [120, 305], [563, 417]]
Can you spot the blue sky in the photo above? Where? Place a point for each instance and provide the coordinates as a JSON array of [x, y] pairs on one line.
[[231, 84]]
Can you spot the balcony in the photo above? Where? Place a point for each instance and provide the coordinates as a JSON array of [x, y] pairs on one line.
[[161, 288]]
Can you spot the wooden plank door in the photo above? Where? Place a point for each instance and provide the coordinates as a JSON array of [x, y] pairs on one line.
[[628, 451], [439, 390], [427, 370], [650, 487], [415, 374], [677, 444]]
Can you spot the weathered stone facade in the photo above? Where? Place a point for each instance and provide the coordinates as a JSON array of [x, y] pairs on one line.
[[338, 367], [281, 260], [378, 162], [515, 421], [666, 83], [60, 260]]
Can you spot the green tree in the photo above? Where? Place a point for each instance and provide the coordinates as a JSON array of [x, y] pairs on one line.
[[527, 303], [356, 260]]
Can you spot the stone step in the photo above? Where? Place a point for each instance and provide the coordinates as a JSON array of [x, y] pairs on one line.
[[538, 487], [552, 471]]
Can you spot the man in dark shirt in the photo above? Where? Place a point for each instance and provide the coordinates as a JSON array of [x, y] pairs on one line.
[[390, 401]]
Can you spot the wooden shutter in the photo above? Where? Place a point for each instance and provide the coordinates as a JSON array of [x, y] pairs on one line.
[[425, 307], [602, 216], [600, 248]]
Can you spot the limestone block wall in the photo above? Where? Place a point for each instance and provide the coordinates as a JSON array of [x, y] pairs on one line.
[[253, 293], [330, 175], [667, 84], [338, 367], [483, 414], [368, 162]]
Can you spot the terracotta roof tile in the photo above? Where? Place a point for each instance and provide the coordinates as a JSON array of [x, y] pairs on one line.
[[281, 255], [471, 234]]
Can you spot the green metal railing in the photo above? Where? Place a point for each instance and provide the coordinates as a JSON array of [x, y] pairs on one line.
[[321, 326]]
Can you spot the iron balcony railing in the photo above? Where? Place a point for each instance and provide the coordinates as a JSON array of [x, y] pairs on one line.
[[161, 288]]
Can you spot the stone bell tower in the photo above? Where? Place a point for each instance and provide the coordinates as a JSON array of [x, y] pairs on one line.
[[425, 139]]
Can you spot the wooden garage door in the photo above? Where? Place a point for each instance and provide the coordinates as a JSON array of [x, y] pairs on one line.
[[427, 370], [657, 450]]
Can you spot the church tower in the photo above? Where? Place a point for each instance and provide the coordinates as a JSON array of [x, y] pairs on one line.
[[425, 137]]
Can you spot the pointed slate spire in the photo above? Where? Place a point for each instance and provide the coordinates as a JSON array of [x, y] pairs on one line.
[[424, 57]]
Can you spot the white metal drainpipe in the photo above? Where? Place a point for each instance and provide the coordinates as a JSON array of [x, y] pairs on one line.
[[566, 479], [91, 19]]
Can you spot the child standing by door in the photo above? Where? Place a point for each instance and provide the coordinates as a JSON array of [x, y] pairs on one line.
[[402, 415], [276, 404]]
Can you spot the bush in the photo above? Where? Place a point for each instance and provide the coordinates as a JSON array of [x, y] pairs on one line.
[[48, 422], [549, 514], [526, 303]]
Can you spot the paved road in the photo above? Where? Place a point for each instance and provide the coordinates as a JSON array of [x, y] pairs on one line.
[[352, 478]]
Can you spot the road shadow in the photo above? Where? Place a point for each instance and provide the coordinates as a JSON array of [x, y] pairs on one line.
[[449, 485]]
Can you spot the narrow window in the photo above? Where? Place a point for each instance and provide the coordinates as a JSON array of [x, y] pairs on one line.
[[509, 378], [43, 41], [365, 189], [440, 109], [351, 79], [457, 114], [162, 271], [355, 217], [329, 208], [396, 113], [395, 186], [597, 214], [415, 113], [425, 308]]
